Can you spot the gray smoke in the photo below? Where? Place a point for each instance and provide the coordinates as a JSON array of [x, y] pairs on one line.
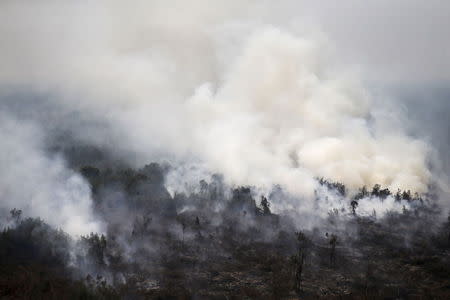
[[256, 91]]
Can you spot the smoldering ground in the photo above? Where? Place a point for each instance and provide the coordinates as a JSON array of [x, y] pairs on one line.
[[213, 240], [234, 94]]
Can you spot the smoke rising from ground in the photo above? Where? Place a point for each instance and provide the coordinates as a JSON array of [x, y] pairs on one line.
[[282, 116], [219, 86], [39, 184]]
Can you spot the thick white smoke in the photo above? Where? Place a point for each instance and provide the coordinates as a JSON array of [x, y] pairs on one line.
[[261, 104], [284, 116], [39, 185]]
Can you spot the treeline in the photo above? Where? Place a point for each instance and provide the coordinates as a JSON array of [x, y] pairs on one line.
[[218, 242], [376, 191], [35, 263]]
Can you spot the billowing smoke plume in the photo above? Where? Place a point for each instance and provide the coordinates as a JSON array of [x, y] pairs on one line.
[[212, 85], [39, 184], [284, 116]]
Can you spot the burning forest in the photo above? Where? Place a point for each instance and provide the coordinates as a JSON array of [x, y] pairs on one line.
[[224, 150]]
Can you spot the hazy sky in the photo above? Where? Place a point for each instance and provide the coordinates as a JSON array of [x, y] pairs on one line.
[[400, 41]]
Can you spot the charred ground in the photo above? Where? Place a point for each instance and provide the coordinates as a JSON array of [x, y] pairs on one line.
[[219, 243]]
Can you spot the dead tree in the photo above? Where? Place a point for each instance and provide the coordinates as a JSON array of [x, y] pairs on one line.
[[183, 227], [333, 242], [354, 205], [299, 260], [198, 228], [265, 206]]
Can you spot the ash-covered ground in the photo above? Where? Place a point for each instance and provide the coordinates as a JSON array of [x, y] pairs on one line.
[[221, 242]]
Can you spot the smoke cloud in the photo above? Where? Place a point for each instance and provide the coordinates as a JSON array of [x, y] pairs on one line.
[[39, 184], [230, 87]]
